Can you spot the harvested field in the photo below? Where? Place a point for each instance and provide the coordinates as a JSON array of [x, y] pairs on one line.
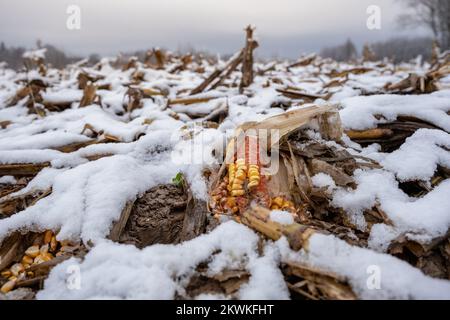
[[183, 177]]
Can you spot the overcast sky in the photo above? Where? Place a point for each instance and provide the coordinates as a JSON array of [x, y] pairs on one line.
[[284, 27]]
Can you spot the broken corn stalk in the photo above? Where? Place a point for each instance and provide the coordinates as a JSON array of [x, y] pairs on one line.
[[297, 235]]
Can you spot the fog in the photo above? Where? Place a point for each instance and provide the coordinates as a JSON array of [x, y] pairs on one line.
[[284, 27]]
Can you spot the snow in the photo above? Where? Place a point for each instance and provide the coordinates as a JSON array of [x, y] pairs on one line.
[[62, 96], [7, 180], [89, 195], [323, 180], [35, 54], [423, 218], [161, 271], [46, 140], [359, 113], [419, 156], [281, 217], [398, 279]]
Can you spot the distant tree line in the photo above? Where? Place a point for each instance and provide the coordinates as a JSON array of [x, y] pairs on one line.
[[344, 52], [397, 49], [54, 56]]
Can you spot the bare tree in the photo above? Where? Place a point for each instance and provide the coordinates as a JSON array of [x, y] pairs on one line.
[[433, 14]]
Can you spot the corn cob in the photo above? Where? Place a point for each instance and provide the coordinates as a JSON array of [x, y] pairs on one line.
[[252, 156], [231, 174], [237, 187]]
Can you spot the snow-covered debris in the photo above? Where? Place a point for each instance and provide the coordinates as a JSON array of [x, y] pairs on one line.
[[90, 163], [161, 271], [420, 155], [35, 54], [282, 217], [372, 275], [362, 112]]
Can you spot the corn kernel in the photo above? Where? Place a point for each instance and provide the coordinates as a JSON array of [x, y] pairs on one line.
[[27, 260], [6, 274], [32, 251], [236, 187], [278, 201], [44, 249], [253, 184], [8, 286], [240, 174], [39, 259], [17, 268], [237, 193], [231, 202], [48, 236]]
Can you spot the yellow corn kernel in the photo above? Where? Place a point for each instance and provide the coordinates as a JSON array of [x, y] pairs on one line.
[[278, 201], [47, 256], [6, 274], [231, 173], [240, 174], [240, 162], [39, 259], [8, 286], [275, 207], [235, 187], [237, 193], [234, 209], [238, 182], [48, 236], [26, 265], [16, 269], [231, 202], [253, 184], [242, 167], [32, 251], [27, 260], [30, 273], [44, 249]]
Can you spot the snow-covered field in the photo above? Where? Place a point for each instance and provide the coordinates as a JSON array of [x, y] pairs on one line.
[[91, 185]]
